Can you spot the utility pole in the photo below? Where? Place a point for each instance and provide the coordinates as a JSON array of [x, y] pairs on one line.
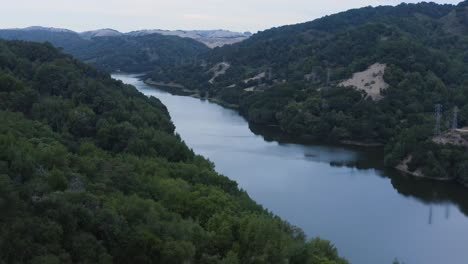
[[430, 215], [438, 116], [455, 118], [326, 87]]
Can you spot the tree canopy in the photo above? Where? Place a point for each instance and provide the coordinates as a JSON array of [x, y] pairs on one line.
[[91, 171], [290, 77]]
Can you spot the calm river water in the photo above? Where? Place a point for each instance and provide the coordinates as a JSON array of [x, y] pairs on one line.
[[338, 193]]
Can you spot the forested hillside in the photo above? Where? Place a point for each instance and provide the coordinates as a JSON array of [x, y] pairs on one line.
[[301, 77], [113, 53], [92, 172]]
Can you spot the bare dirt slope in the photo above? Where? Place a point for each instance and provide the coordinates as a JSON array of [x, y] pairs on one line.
[[370, 81], [219, 69], [452, 137], [256, 77], [403, 166]]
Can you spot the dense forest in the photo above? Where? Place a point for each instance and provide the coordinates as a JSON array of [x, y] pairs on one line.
[[91, 171], [115, 53], [292, 77]]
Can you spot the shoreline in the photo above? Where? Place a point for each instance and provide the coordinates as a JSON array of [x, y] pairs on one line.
[[361, 143], [421, 176], [216, 101], [401, 168], [177, 89]]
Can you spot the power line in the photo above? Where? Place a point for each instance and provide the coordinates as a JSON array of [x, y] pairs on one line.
[[438, 116], [455, 118], [430, 215]]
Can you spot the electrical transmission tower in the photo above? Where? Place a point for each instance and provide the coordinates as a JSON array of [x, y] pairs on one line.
[[447, 211], [438, 116], [430, 215], [455, 118]]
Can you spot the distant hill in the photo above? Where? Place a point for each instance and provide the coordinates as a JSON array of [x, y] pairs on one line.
[[63, 38], [137, 51], [110, 50], [364, 76], [106, 32], [211, 38]]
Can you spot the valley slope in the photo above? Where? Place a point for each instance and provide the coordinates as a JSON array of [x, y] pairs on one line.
[[91, 171], [110, 50], [366, 76]]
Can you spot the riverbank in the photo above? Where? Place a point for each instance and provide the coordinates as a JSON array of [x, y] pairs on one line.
[[361, 143], [404, 167], [301, 139], [216, 101], [294, 180], [171, 87], [178, 89]]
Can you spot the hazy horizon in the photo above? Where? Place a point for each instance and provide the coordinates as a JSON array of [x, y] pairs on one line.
[[125, 16]]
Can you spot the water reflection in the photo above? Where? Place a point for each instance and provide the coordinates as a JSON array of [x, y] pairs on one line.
[[430, 191], [364, 158]]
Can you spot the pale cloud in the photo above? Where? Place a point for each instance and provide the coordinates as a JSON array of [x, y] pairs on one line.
[[126, 15]]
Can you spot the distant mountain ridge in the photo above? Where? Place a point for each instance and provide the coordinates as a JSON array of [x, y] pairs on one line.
[[53, 29], [110, 50], [211, 38], [105, 32]]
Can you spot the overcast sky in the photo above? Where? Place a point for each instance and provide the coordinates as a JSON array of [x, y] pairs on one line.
[[127, 15]]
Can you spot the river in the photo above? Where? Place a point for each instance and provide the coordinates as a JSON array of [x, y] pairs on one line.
[[338, 193]]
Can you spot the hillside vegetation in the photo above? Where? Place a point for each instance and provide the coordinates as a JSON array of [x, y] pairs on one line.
[[91, 171], [115, 53], [293, 76]]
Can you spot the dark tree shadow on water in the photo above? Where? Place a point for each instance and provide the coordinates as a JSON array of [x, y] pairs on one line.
[[427, 191]]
